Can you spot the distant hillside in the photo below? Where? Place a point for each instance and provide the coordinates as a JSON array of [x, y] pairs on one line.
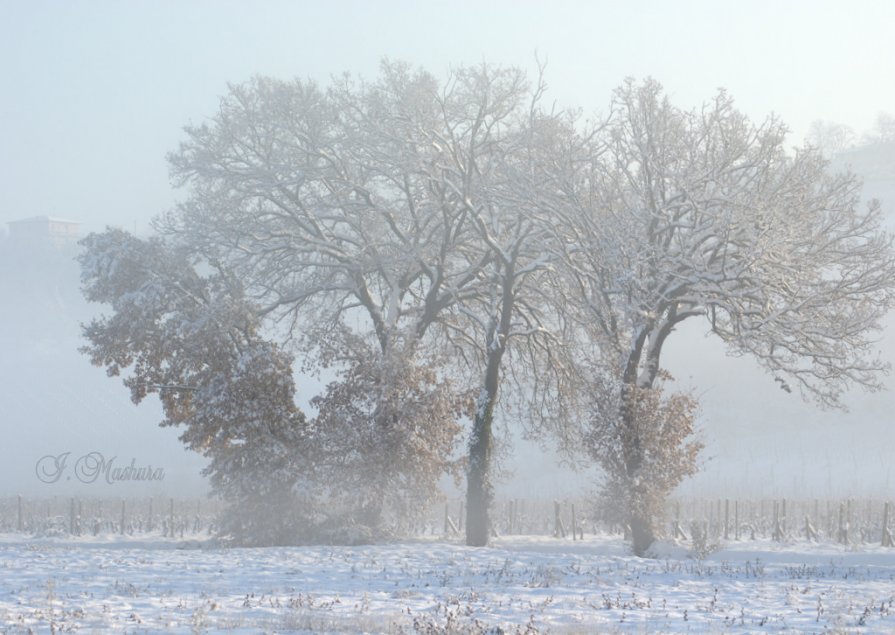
[[875, 163]]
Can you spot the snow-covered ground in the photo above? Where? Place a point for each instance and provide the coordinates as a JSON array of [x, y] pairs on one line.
[[521, 584]]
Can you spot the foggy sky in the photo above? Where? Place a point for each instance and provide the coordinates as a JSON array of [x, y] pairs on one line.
[[95, 93]]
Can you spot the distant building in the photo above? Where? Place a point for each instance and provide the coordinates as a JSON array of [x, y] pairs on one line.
[[44, 229]]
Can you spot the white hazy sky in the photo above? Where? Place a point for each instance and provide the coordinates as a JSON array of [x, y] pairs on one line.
[[93, 94]]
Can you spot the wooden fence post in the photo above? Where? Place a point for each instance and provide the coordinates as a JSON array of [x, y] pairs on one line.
[[20, 525], [843, 525], [736, 520], [887, 535], [449, 526], [783, 523], [726, 519], [718, 530], [677, 531], [810, 532], [776, 521], [123, 517], [817, 512], [559, 530]]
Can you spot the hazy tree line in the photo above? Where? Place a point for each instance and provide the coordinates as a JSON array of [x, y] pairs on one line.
[[832, 138], [453, 251]]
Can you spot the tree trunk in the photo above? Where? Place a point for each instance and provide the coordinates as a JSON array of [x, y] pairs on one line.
[[480, 490], [642, 533], [639, 518]]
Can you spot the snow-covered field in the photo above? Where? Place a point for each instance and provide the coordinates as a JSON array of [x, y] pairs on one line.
[[521, 584]]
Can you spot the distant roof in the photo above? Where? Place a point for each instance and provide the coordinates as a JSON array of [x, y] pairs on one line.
[[45, 219]]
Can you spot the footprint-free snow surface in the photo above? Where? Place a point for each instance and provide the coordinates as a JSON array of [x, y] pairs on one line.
[[520, 584]]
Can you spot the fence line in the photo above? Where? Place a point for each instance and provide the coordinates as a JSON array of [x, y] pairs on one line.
[[78, 516], [847, 521]]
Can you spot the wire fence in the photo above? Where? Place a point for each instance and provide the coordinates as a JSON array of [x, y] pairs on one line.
[[849, 521], [57, 516]]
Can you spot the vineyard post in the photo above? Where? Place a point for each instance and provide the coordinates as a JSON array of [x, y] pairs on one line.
[[736, 520], [783, 520], [817, 513], [726, 519], [718, 530], [887, 535], [843, 525], [776, 520], [559, 530]]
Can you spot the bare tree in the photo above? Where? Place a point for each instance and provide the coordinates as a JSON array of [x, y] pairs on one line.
[[374, 213], [830, 138], [884, 130], [505, 327], [703, 215]]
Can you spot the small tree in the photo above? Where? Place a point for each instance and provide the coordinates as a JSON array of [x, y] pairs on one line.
[[664, 426], [194, 341], [386, 432]]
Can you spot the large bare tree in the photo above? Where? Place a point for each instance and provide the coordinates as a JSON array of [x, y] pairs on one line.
[[376, 213], [702, 214]]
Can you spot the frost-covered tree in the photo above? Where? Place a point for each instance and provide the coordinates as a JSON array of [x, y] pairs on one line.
[[377, 213], [664, 424], [884, 129], [830, 137], [380, 471], [506, 325], [194, 341], [369, 461], [367, 224], [702, 214]]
